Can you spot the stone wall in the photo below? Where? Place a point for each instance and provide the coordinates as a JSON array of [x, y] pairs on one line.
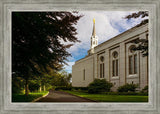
[[121, 44], [82, 72]]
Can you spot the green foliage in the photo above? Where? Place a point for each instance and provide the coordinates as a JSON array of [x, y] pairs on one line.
[[141, 14], [127, 88], [142, 43], [126, 93], [34, 85], [29, 98], [17, 85], [36, 42], [145, 89], [80, 88], [70, 88], [99, 85], [63, 88], [142, 46]]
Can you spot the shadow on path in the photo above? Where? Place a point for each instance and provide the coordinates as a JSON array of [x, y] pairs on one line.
[[60, 96]]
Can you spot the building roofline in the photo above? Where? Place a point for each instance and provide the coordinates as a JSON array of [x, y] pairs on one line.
[[135, 27], [113, 38]]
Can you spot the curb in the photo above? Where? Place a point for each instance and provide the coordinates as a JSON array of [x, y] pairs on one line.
[[40, 97]]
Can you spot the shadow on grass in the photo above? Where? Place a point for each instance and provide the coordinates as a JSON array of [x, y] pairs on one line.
[[29, 98]]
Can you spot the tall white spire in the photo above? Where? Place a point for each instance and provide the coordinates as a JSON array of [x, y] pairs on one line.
[[94, 31], [94, 38]]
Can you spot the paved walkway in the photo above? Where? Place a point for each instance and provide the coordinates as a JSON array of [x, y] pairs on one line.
[[60, 96]]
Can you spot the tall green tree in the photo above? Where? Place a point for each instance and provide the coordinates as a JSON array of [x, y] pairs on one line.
[[142, 43], [36, 41]]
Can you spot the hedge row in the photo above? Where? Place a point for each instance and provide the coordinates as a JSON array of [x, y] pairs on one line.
[[103, 86], [63, 88], [70, 88], [126, 93]]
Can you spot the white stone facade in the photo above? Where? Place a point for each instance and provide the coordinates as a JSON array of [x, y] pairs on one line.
[[114, 61]]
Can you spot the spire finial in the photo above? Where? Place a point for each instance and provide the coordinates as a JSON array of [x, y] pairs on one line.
[[94, 38], [94, 31], [94, 20]]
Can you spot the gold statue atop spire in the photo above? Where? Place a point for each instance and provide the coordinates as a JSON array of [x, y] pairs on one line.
[[94, 38], [94, 20], [94, 31]]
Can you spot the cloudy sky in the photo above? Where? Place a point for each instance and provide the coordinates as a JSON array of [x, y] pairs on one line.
[[108, 24]]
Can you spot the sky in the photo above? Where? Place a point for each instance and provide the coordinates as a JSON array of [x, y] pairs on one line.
[[107, 24]]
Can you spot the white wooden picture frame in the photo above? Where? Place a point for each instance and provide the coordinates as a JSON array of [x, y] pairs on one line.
[[151, 107]]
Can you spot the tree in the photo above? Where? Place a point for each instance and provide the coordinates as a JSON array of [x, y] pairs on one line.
[[36, 42], [60, 79], [141, 14], [142, 43]]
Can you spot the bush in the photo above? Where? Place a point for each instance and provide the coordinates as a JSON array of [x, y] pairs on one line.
[[99, 85], [63, 88], [80, 88], [33, 86], [50, 87], [17, 85], [126, 93], [127, 88], [145, 89]]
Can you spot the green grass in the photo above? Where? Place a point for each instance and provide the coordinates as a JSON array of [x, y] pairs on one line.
[[29, 98], [110, 98]]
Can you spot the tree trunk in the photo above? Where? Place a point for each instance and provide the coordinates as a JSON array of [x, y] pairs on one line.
[[44, 88], [26, 88], [40, 88]]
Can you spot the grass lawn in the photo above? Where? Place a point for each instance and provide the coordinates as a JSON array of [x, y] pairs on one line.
[[29, 98], [110, 98]]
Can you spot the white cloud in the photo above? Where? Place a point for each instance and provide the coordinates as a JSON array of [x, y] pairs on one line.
[[68, 67], [108, 25]]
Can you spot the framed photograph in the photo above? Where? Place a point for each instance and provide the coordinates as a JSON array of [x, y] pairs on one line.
[[125, 57]]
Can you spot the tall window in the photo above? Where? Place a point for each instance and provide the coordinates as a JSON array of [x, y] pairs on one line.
[[132, 59], [84, 74], [115, 63], [102, 67]]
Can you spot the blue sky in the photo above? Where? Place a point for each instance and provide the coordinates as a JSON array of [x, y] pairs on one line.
[[107, 23]]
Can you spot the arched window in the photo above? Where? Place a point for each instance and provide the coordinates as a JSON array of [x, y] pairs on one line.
[[132, 60], [102, 67], [115, 63]]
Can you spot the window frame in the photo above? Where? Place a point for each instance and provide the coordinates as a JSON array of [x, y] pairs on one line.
[[101, 67], [132, 69], [115, 64]]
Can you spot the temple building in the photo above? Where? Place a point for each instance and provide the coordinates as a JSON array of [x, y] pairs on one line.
[[113, 60]]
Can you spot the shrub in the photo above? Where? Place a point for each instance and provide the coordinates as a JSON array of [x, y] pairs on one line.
[[127, 88], [50, 87], [126, 93], [33, 86], [145, 89], [99, 85], [17, 85], [80, 88]]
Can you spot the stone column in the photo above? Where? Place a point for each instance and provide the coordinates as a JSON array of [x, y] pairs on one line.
[[143, 67], [107, 65], [95, 66], [122, 64]]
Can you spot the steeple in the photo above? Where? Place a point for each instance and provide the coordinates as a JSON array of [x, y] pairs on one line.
[[94, 31], [94, 38]]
